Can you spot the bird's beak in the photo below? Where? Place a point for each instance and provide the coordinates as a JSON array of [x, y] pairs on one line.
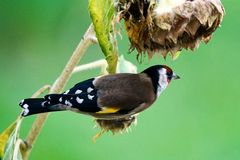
[[174, 76]]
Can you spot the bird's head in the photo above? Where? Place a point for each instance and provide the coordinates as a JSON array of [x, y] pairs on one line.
[[161, 76], [166, 74]]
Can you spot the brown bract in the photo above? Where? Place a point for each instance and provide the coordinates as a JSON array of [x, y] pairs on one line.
[[116, 126], [168, 26]]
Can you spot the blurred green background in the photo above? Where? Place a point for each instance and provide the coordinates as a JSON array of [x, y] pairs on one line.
[[196, 118]]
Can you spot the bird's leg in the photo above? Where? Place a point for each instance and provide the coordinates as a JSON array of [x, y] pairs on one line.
[[98, 135]]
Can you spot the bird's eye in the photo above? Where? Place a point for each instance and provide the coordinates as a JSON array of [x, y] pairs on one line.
[[169, 75]]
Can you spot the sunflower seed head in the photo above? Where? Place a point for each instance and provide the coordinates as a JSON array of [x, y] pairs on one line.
[[168, 26]]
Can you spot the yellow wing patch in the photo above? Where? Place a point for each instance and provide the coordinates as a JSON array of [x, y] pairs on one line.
[[107, 110]]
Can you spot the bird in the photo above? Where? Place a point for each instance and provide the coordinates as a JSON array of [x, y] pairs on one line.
[[108, 97]]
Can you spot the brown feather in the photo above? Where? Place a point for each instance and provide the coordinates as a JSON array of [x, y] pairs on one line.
[[125, 91]]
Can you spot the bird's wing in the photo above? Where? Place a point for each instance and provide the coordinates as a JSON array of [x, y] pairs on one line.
[[82, 97], [124, 92], [82, 87], [111, 94]]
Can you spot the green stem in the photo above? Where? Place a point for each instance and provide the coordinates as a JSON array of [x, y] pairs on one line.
[[112, 63]]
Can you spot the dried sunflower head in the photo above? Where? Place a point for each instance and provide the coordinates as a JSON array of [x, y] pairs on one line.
[[168, 26]]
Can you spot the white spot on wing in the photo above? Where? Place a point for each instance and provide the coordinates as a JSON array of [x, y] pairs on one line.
[[43, 103], [66, 92], [79, 100], [25, 106], [90, 97], [78, 91], [22, 101], [26, 110], [68, 103], [89, 89], [60, 99]]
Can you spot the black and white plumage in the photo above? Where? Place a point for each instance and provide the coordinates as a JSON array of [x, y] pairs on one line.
[[109, 97]]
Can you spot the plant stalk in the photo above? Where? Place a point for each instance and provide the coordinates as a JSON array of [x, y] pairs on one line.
[[86, 41]]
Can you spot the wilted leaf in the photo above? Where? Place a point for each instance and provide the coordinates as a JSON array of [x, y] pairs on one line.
[[8, 139], [19, 155], [5, 137], [102, 14]]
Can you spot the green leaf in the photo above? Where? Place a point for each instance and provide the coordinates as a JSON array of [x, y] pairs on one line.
[[102, 14], [8, 139]]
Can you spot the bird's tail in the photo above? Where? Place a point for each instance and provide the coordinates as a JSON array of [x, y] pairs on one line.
[[37, 105]]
